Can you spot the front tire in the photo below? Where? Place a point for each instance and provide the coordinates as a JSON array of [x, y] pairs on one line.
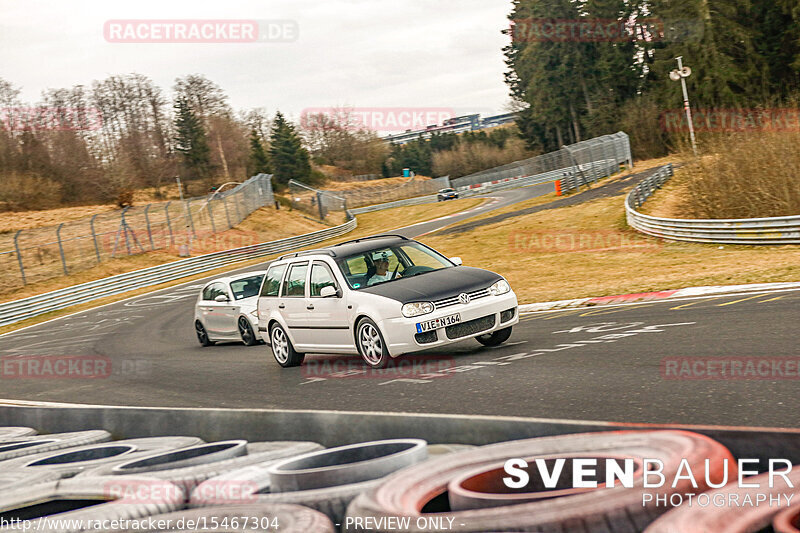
[[282, 348], [202, 334], [371, 345], [246, 332], [496, 338]]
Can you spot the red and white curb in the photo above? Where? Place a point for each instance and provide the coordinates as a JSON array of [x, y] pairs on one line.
[[660, 295]]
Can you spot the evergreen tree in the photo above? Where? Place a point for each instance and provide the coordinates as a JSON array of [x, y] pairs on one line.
[[258, 162], [719, 48], [191, 141], [289, 160]]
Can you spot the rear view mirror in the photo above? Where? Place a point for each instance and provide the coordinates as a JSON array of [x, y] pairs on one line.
[[329, 292], [456, 261], [221, 298]]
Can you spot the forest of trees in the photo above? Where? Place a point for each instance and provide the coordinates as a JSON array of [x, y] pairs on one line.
[[130, 136], [744, 54], [566, 87]]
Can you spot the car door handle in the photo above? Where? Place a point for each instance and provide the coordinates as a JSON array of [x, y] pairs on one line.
[[281, 306], [310, 307]]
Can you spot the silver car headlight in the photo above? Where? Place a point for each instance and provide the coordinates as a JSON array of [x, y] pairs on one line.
[[417, 309], [500, 287]]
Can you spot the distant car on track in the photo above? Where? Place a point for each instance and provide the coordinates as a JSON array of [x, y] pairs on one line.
[[379, 297], [226, 309], [447, 194]]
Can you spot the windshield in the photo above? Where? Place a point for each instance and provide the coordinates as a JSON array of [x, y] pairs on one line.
[[246, 287], [389, 263]]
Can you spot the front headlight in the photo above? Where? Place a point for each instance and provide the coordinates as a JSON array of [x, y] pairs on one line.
[[417, 309], [500, 287]]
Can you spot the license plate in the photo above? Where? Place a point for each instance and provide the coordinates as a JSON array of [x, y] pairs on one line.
[[437, 323]]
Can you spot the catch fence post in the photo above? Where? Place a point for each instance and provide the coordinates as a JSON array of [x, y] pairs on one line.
[[19, 257], [169, 225], [94, 238], [149, 232], [61, 249]]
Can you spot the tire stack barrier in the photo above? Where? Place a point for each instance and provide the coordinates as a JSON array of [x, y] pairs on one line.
[[294, 486]]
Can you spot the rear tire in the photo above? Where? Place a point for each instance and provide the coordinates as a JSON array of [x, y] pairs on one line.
[[371, 345], [282, 348], [202, 334], [495, 338], [246, 332]]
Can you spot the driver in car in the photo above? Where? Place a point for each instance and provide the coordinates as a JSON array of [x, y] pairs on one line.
[[381, 271]]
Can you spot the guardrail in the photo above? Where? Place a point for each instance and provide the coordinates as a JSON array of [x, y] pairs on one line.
[[17, 310], [776, 230]]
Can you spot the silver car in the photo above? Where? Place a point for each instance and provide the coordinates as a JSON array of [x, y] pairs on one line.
[[380, 297], [226, 309]]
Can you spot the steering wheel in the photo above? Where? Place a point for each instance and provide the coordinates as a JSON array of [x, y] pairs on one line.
[[413, 271]]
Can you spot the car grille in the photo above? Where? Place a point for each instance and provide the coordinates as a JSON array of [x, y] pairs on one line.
[[448, 302], [427, 337], [471, 327], [507, 315]]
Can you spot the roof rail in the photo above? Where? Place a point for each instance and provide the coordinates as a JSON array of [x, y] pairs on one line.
[[372, 237], [308, 252]]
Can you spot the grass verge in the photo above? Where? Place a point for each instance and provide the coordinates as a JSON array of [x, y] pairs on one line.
[[588, 250]]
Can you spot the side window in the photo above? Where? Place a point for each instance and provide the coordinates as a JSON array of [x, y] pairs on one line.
[[208, 293], [215, 290], [321, 277], [295, 284], [273, 282]]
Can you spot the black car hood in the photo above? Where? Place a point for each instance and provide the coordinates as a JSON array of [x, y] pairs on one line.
[[435, 285]]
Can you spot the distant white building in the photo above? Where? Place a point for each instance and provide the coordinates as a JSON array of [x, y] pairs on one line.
[[453, 125]]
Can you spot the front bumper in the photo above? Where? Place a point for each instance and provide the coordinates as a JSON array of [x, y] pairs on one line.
[[401, 338]]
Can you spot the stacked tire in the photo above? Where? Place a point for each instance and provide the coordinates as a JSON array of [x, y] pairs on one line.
[[185, 484]]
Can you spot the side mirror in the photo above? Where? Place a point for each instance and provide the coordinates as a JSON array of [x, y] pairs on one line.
[[456, 261], [221, 298], [329, 292]]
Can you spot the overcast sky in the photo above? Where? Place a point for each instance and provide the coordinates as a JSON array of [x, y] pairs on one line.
[[364, 53]]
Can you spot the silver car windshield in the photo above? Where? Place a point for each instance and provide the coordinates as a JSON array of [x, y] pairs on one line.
[[390, 263]]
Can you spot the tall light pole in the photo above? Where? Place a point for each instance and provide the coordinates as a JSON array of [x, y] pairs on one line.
[[681, 73]]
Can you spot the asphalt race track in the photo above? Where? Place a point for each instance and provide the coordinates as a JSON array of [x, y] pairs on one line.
[[606, 363]]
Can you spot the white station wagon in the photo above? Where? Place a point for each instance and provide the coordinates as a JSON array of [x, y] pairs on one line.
[[380, 297]]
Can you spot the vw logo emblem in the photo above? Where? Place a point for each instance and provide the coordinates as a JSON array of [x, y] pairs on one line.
[[464, 298]]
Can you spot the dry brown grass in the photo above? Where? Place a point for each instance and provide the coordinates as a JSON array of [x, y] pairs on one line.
[[749, 176], [371, 223], [356, 185], [619, 260], [14, 221]]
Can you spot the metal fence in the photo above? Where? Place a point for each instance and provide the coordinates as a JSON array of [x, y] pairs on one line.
[[36, 254], [319, 203], [15, 311], [587, 160], [776, 230]]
